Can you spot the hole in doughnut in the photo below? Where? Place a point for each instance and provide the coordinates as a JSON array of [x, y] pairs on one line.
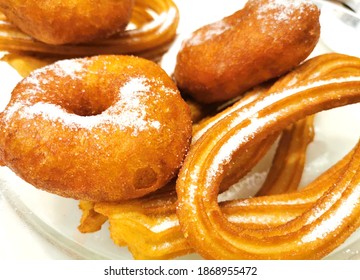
[[90, 102], [86, 110], [144, 178]]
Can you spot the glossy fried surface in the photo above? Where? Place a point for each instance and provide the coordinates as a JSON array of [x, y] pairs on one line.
[[105, 128], [70, 21], [263, 40], [321, 83]]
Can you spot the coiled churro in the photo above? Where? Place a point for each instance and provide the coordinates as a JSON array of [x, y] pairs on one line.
[[316, 232], [155, 26]]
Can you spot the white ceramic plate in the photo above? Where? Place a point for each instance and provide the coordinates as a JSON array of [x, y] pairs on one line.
[[56, 218]]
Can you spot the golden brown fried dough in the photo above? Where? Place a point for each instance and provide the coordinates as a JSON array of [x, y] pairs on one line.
[[289, 161], [91, 221], [69, 21], [105, 128], [322, 227], [263, 40]]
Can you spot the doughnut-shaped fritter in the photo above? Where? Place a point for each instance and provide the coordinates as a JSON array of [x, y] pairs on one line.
[[105, 128]]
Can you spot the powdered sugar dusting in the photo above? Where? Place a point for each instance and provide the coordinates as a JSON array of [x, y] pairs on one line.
[[337, 218], [244, 188], [134, 85], [35, 81], [208, 33], [226, 151], [133, 107], [128, 112], [231, 109], [69, 67], [264, 218], [282, 12], [282, 9], [165, 224]]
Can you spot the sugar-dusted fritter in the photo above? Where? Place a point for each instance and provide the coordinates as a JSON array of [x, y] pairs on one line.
[[263, 40], [104, 128]]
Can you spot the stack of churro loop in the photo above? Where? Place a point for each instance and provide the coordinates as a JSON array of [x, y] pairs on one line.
[[281, 222], [151, 30]]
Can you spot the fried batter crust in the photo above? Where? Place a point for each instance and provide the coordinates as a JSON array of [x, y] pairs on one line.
[[263, 40], [70, 21], [105, 128]]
